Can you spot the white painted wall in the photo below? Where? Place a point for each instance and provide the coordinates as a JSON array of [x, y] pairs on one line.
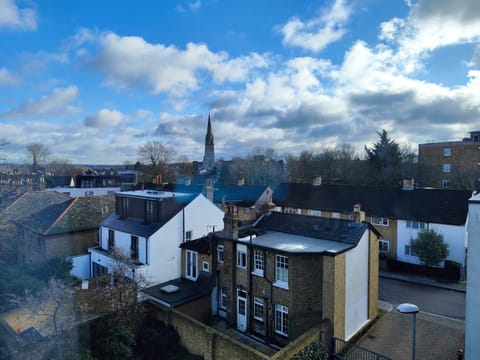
[[356, 287], [81, 266], [163, 262], [472, 315], [453, 235]]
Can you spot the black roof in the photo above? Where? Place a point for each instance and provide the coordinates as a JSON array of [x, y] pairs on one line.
[[426, 205], [344, 231], [188, 290], [201, 245]]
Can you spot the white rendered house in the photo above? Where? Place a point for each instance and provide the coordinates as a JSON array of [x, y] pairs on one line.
[[150, 226]]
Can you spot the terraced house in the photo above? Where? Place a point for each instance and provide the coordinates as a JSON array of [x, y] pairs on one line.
[[397, 213], [289, 273]]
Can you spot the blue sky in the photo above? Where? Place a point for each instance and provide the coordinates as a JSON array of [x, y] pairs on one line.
[[94, 80]]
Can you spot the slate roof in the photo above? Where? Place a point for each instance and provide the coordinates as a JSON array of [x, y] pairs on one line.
[[188, 290], [312, 226], [426, 205], [173, 206], [75, 214]]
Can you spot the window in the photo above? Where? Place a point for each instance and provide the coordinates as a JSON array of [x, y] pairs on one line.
[[205, 266], [191, 265], [111, 239], [289, 210], [335, 215], [134, 247], [416, 225], [149, 211], [314, 212], [220, 253], [281, 271], [223, 299], [446, 168], [258, 309], [241, 256], [188, 235], [409, 251], [281, 319], [246, 210], [445, 184], [384, 246], [447, 152], [380, 221], [258, 262]]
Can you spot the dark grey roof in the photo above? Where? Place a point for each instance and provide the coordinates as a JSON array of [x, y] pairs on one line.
[[201, 245], [426, 205], [346, 233], [188, 290]]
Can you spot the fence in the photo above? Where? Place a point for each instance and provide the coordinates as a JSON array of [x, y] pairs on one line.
[[343, 350]]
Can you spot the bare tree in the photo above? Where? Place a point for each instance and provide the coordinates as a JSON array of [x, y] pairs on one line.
[[39, 153], [158, 157]]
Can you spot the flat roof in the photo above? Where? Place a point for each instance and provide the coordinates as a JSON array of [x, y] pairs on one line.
[[297, 244]]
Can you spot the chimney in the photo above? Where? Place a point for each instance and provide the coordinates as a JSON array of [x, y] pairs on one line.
[[208, 190], [230, 223], [317, 180], [241, 181], [408, 184], [358, 215]]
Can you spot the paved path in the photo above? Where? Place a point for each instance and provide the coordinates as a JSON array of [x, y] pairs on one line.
[[437, 337]]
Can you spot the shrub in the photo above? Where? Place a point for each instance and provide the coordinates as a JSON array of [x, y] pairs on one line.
[[315, 351]]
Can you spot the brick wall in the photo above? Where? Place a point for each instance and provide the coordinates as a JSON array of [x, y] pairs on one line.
[[334, 293]]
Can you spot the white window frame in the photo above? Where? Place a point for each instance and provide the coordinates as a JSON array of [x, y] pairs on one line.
[[312, 212], [223, 299], [205, 266], [258, 262], [220, 253], [281, 319], [290, 210], [380, 221], [445, 184], [281, 271], [447, 152], [191, 265], [384, 243], [246, 210], [416, 225], [336, 215], [409, 251], [446, 168], [258, 308], [241, 256]]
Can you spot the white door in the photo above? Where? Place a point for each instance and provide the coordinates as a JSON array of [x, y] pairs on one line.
[[241, 310], [191, 265]]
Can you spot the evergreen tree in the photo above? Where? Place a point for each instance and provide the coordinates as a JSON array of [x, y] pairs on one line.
[[430, 247]]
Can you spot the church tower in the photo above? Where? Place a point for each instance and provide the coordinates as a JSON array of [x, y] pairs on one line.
[[209, 157]]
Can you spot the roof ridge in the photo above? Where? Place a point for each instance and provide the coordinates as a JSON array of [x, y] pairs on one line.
[[74, 200]]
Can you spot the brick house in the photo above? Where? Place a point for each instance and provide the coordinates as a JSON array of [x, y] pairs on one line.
[[149, 226], [397, 213], [289, 273], [61, 229], [450, 164]]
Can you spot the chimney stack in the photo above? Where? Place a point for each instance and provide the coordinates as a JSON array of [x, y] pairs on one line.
[[230, 223], [208, 190], [358, 214]]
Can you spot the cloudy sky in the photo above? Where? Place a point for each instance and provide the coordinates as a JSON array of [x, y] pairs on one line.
[[93, 80]]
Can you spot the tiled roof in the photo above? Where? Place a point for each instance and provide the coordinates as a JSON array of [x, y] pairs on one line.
[[76, 214], [426, 205]]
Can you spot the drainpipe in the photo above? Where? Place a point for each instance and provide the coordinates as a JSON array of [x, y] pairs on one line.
[[249, 269]]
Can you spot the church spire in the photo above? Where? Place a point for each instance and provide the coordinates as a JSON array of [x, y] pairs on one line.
[[209, 156], [209, 135]]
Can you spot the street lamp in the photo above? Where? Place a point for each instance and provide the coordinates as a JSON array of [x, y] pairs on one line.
[[407, 308]]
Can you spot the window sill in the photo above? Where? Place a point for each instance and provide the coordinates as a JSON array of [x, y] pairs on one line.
[[281, 334], [281, 285], [257, 273]]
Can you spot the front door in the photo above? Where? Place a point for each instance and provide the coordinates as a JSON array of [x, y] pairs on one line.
[[241, 310]]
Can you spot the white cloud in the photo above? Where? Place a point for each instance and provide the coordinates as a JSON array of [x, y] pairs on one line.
[[56, 104], [7, 78], [130, 62], [104, 118], [14, 17], [316, 34]]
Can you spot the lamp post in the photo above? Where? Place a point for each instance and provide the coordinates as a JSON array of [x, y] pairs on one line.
[[413, 309]]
